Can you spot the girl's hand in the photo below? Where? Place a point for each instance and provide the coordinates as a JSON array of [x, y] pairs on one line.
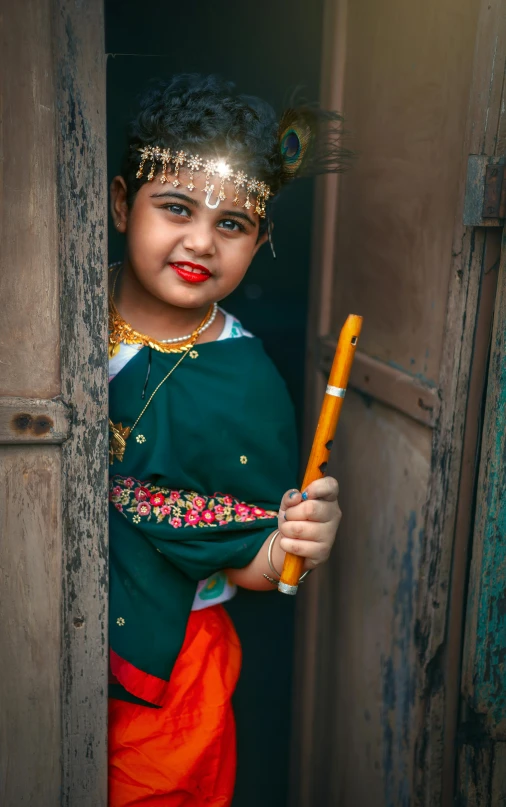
[[307, 524], [308, 521]]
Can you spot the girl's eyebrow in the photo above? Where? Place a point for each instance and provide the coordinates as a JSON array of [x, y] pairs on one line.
[[175, 195]]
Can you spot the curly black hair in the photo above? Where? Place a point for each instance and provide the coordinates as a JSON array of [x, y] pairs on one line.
[[204, 114]]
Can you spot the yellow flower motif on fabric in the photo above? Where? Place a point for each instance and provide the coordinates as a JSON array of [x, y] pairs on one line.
[[194, 354], [136, 519], [244, 460], [140, 438], [120, 621]]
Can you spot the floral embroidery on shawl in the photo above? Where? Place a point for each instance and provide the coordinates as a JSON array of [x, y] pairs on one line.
[[180, 508]]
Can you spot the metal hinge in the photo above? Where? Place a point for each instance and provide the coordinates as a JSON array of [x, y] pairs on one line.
[[494, 199], [485, 198]]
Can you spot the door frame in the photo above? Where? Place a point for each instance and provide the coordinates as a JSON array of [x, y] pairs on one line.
[[80, 83]]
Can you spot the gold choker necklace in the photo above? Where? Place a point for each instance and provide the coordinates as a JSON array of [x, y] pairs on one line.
[[121, 331]]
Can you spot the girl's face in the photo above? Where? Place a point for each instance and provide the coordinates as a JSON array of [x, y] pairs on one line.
[[182, 252]]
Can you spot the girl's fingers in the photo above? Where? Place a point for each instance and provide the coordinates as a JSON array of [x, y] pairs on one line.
[[304, 530], [313, 510], [313, 551], [317, 504], [290, 499], [326, 488]]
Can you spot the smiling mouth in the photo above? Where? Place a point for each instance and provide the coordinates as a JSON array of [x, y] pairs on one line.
[[191, 272]]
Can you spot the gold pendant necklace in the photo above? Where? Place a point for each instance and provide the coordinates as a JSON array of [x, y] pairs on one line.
[[123, 332], [119, 434], [117, 441]]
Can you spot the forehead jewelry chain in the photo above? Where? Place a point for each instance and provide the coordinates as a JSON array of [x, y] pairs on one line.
[[174, 161]]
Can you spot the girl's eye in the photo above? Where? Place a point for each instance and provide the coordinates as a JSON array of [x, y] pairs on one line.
[[178, 210], [231, 225]]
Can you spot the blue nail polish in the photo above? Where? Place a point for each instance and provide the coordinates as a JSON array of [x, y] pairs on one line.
[[304, 496], [292, 493], [284, 516]]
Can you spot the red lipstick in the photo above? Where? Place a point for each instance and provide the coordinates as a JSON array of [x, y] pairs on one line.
[[191, 272]]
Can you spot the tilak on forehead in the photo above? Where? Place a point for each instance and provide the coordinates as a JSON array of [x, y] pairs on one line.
[[218, 169]]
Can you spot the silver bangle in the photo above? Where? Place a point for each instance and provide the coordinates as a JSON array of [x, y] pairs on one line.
[[273, 568], [269, 554]]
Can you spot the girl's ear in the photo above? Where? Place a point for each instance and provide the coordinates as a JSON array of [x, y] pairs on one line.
[[119, 206], [261, 240]]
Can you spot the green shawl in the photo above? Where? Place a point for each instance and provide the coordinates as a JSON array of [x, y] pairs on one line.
[[198, 491]]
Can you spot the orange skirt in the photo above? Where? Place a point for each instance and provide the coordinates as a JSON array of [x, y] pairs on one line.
[[184, 754]]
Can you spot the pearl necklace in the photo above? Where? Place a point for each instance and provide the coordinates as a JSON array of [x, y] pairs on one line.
[[188, 335]]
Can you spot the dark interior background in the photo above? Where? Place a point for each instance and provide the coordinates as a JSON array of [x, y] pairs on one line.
[[268, 49]]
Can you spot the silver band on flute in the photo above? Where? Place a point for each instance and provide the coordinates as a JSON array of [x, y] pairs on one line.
[[337, 392]]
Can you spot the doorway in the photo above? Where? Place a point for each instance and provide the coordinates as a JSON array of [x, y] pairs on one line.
[[269, 50]]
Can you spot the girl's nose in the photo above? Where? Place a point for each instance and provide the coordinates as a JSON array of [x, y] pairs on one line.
[[199, 239]]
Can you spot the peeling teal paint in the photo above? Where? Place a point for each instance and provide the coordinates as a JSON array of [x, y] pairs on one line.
[[488, 581]]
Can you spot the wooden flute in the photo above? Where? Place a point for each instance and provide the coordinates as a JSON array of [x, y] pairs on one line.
[[325, 431]]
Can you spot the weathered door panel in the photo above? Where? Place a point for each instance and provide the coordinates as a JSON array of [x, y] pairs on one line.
[[482, 758], [368, 722], [30, 635], [380, 630], [53, 406], [407, 80]]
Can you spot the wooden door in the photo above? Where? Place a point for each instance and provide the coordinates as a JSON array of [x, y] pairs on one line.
[[401, 240], [53, 405]]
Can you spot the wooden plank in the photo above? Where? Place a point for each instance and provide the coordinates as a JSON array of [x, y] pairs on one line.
[[483, 664], [408, 114], [482, 760], [391, 386], [498, 795], [29, 355], [366, 662], [30, 520], [82, 200], [474, 775], [439, 628], [309, 607], [32, 420], [465, 508], [30, 602], [396, 256]]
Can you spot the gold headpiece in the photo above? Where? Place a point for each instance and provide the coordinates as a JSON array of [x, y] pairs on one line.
[[211, 168]]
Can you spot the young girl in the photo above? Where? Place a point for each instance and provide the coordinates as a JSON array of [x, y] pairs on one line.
[[202, 443]]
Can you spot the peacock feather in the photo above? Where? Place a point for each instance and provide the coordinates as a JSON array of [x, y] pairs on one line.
[[310, 142]]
